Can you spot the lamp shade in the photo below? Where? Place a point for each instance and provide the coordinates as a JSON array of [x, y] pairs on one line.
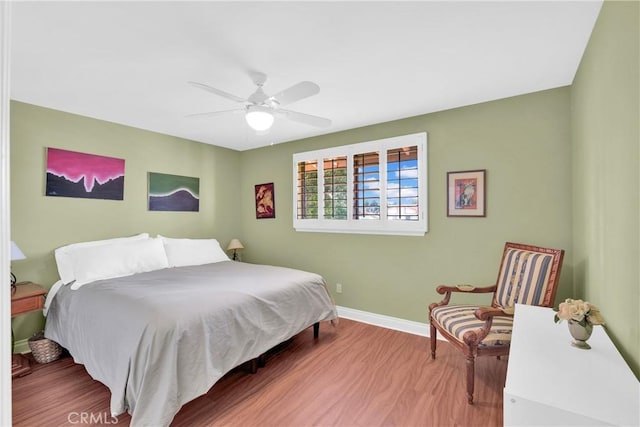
[[16, 253], [234, 244], [259, 118]]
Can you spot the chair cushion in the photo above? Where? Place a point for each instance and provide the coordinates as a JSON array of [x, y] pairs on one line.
[[524, 277], [458, 319]]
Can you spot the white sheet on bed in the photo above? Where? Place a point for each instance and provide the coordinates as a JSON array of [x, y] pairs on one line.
[[162, 338]]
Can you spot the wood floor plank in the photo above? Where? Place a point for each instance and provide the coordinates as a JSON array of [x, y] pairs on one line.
[[353, 375]]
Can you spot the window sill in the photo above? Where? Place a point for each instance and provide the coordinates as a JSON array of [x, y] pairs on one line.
[[386, 232]]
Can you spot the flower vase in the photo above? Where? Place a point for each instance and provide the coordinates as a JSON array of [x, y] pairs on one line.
[[580, 334]]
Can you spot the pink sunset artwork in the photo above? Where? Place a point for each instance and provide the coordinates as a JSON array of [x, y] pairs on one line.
[[71, 172]]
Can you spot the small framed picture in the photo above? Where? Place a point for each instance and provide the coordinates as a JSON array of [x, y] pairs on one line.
[[265, 201], [466, 193]]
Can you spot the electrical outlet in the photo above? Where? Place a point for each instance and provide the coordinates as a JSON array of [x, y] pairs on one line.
[[339, 288]]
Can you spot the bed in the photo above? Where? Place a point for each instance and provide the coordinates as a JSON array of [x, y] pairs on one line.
[[161, 333]]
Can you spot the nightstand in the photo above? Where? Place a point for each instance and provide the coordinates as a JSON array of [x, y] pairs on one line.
[[28, 297]]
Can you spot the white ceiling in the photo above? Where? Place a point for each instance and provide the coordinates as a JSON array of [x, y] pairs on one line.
[[129, 62]]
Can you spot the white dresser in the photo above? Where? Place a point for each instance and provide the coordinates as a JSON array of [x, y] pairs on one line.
[[549, 382]]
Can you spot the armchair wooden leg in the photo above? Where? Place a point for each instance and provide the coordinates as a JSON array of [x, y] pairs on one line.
[[471, 363], [434, 340]]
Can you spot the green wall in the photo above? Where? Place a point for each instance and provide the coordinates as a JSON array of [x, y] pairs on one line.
[[39, 224], [562, 171], [605, 115], [524, 144]]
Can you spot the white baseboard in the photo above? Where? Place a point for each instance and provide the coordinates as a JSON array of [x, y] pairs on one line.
[[22, 346], [395, 323]]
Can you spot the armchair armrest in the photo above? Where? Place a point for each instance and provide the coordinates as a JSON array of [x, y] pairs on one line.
[[484, 313], [467, 289]]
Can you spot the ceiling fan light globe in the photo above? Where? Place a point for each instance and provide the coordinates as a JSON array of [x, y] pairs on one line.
[[259, 120]]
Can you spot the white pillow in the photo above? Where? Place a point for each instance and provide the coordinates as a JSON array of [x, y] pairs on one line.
[[64, 255], [184, 252], [118, 259]]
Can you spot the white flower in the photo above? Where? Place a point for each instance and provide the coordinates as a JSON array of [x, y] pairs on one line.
[[579, 311]]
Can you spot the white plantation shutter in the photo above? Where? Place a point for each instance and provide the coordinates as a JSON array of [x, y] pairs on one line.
[[374, 187]]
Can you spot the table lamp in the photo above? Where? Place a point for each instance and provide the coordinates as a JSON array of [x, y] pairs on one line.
[[16, 254], [235, 245]]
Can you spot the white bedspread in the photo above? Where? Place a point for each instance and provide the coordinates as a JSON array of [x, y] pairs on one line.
[[163, 338]]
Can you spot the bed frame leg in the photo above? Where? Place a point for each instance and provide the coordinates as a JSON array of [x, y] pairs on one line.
[[253, 365], [316, 329]]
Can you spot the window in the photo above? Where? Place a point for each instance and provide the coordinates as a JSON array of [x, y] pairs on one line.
[[335, 188], [375, 187], [307, 194], [366, 186], [402, 184]]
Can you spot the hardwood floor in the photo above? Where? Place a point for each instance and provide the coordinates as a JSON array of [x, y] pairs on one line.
[[353, 375]]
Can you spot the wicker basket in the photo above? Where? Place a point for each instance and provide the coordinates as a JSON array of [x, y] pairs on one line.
[[43, 349]]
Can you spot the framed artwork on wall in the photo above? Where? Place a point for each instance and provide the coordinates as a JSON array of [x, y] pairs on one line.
[[173, 193], [265, 201], [466, 193], [82, 175]]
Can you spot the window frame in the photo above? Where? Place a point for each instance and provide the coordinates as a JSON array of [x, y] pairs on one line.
[[383, 225]]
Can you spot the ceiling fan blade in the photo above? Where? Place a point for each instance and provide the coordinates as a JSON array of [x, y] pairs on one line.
[[308, 119], [216, 113], [296, 92], [217, 91]]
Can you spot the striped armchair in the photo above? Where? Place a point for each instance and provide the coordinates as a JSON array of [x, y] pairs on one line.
[[527, 275]]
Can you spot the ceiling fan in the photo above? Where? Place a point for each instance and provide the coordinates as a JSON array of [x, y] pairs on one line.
[[260, 109]]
